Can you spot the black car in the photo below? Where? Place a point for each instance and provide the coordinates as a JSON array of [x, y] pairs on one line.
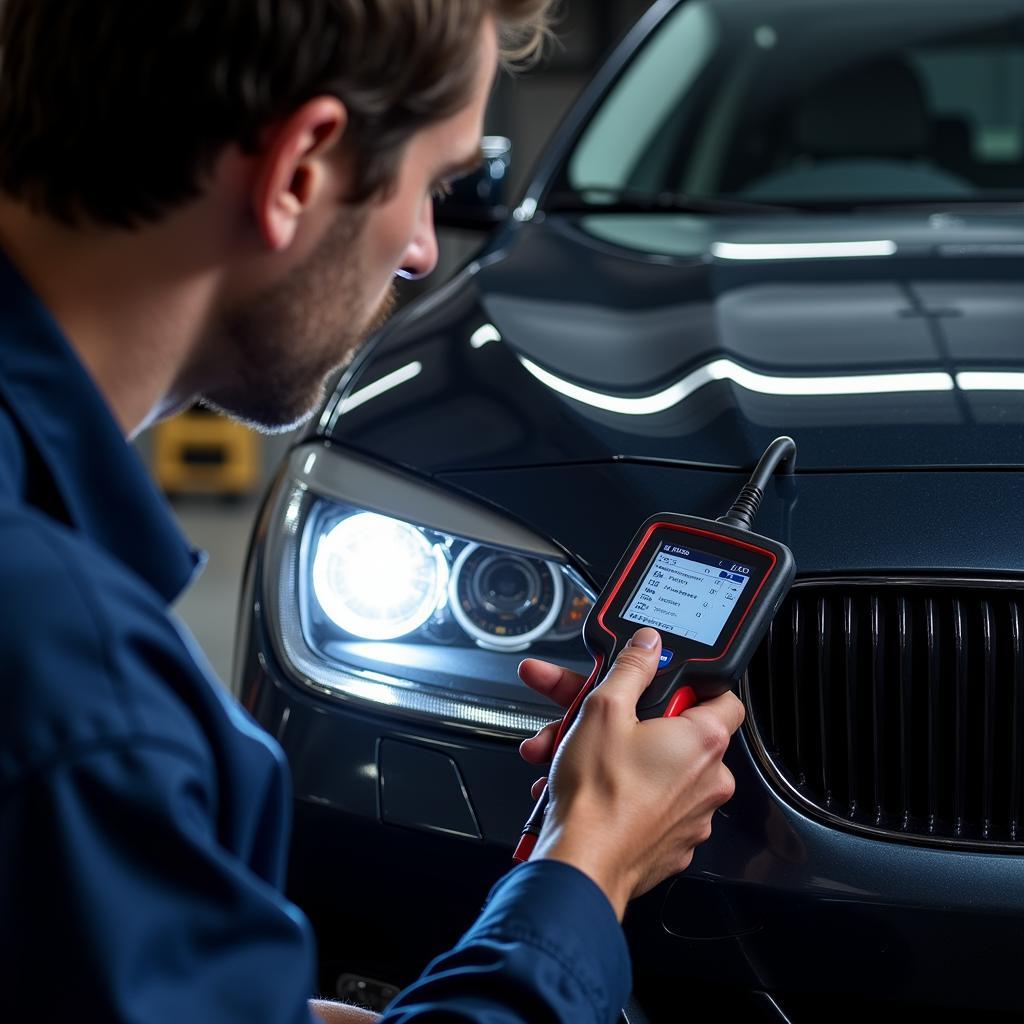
[[764, 217]]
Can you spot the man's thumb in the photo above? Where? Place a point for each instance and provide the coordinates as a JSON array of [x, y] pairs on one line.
[[636, 664]]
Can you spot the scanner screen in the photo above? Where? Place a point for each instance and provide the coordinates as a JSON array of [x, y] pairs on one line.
[[689, 593]]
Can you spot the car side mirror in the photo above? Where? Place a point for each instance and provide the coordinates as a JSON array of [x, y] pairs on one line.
[[479, 201]]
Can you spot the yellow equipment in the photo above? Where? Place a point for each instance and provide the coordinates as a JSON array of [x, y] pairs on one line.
[[203, 452]]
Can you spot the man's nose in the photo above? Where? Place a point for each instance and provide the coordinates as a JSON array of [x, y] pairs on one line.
[[421, 256]]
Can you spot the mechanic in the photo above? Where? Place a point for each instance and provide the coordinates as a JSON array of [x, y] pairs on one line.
[[210, 201]]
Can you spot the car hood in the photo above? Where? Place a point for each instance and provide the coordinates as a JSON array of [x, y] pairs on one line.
[[878, 341]]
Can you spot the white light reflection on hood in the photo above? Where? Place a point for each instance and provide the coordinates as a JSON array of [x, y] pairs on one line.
[[726, 369], [800, 250], [484, 336], [380, 387], [989, 380]]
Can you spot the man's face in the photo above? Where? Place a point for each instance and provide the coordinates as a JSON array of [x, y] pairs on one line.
[[288, 342]]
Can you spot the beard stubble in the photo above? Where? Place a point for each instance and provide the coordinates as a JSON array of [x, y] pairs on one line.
[[287, 344]]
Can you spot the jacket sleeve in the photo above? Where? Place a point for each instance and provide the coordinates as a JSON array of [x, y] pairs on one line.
[[118, 902], [547, 948]]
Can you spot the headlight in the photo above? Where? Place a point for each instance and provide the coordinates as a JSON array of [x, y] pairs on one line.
[[505, 600], [378, 578], [388, 590]]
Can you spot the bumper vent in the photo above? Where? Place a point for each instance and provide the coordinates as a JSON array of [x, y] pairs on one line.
[[896, 708]]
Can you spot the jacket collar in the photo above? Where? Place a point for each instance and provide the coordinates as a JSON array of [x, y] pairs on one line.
[[107, 493]]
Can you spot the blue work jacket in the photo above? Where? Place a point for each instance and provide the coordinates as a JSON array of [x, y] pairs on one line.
[[144, 817]]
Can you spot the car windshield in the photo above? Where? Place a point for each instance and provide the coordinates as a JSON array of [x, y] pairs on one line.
[[811, 103]]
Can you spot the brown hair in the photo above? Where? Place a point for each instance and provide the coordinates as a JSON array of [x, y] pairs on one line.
[[113, 112]]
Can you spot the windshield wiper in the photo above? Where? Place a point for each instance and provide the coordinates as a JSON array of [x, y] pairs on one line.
[[1012, 204], [599, 199]]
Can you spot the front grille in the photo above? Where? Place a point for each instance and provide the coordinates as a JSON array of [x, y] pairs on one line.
[[897, 707]]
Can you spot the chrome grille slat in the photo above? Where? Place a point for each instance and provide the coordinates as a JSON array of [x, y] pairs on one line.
[[1017, 740], [896, 707], [960, 734], [797, 716], [989, 745], [878, 705], [771, 679], [824, 674], [906, 688], [850, 679], [934, 699]]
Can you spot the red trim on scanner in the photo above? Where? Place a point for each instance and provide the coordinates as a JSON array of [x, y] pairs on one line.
[[524, 851], [682, 700]]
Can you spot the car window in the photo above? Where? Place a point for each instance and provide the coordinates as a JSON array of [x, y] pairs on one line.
[[828, 102], [649, 95], [976, 98]]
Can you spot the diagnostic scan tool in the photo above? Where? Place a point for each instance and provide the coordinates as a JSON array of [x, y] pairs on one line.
[[709, 587]]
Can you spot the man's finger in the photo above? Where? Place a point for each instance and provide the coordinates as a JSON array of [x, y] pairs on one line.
[[538, 787], [726, 709], [552, 681], [635, 666], [540, 749]]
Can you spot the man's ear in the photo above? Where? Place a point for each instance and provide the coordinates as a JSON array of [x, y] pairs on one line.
[[293, 167]]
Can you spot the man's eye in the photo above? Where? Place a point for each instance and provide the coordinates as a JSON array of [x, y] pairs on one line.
[[441, 190]]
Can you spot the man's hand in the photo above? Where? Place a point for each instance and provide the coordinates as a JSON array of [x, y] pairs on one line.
[[629, 800], [340, 1013]]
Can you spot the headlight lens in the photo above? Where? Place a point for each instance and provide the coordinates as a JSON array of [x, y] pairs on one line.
[[504, 600], [396, 610], [378, 578]]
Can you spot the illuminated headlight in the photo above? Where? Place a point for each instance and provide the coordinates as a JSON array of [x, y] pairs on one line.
[[378, 578], [390, 591]]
